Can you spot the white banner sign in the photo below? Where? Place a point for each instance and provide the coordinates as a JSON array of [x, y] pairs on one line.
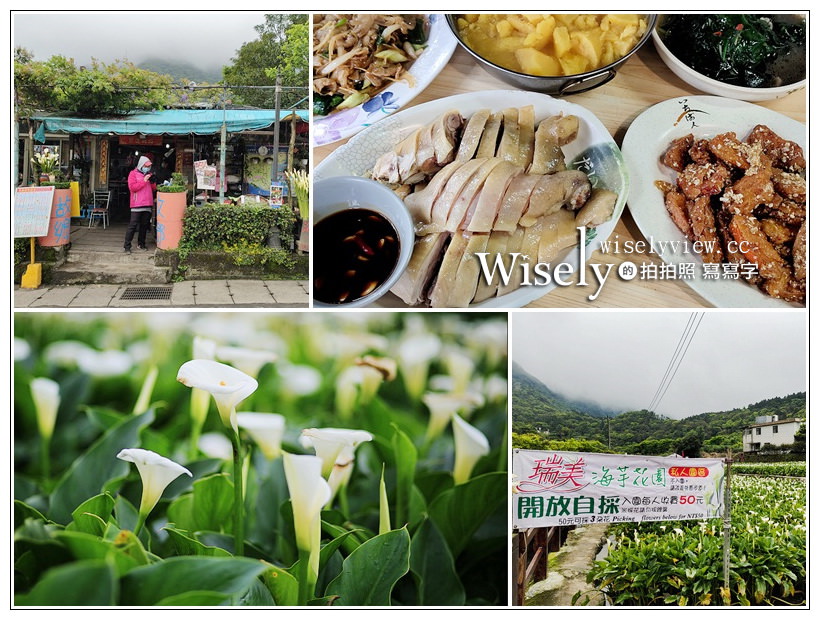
[[575, 488], [32, 211]]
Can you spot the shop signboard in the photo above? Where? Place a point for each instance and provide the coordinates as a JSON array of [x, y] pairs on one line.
[[32, 211], [576, 488]]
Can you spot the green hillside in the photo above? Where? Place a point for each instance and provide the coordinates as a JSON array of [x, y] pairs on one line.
[[539, 415]]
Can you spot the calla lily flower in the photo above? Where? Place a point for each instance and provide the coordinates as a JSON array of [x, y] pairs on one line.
[[46, 395], [309, 492], [22, 349], [443, 406], [470, 446], [414, 356], [156, 472], [226, 384], [299, 379], [460, 366], [266, 429], [249, 361], [105, 363], [331, 444], [65, 353], [215, 446], [204, 348], [357, 385]]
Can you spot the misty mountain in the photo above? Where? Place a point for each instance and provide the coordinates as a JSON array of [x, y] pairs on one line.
[[181, 70]]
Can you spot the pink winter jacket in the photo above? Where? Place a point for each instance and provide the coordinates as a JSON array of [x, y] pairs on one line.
[[142, 191]]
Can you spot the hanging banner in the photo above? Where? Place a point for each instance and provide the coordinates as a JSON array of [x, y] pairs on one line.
[[576, 488]]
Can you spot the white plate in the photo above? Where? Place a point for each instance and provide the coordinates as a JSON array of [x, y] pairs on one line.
[[340, 125], [593, 151], [645, 142]]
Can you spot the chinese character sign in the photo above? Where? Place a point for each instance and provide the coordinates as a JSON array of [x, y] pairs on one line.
[[575, 488]]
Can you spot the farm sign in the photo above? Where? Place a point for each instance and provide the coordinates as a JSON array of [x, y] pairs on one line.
[[575, 488]]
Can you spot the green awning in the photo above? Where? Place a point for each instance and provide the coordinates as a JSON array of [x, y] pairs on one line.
[[202, 122]]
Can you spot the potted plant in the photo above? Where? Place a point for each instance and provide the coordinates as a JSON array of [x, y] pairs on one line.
[[171, 204], [46, 165]]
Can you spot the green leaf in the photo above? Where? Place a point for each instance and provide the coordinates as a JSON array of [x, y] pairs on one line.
[[405, 455], [369, 573], [90, 472], [23, 511], [90, 582], [282, 585], [432, 564], [86, 546], [208, 507], [195, 598], [459, 512], [151, 584], [187, 545], [125, 513], [92, 515]]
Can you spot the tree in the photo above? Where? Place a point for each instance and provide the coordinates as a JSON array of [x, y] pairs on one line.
[[58, 85], [279, 47]]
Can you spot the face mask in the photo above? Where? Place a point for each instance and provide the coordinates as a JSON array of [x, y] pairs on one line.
[[145, 169]]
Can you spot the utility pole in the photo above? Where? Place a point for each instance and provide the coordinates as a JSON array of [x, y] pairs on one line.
[[277, 92]]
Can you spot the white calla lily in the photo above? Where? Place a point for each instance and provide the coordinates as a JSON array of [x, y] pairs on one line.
[[443, 406], [414, 355], [65, 353], [249, 361], [332, 443], [156, 472], [104, 364], [460, 366], [215, 446], [228, 385], [470, 445], [22, 349], [299, 379], [46, 396], [204, 348], [266, 429], [309, 492]]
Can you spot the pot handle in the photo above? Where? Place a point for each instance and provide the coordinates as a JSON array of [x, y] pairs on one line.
[[585, 85]]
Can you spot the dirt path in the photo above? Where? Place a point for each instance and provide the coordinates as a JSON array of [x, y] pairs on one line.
[[568, 569]]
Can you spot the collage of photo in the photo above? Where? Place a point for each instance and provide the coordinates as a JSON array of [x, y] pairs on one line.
[[449, 311]]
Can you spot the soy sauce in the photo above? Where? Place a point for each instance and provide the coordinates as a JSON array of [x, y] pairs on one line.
[[355, 251]]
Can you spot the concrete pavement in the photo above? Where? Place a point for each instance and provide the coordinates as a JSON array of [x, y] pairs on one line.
[[188, 294]]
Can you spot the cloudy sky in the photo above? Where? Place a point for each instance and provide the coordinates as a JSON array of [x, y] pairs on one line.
[[618, 359], [203, 38]]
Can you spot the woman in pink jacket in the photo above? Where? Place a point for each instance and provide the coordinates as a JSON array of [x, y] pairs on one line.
[[142, 203]]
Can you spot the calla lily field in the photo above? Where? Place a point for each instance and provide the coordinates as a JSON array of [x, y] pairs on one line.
[[260, 459]]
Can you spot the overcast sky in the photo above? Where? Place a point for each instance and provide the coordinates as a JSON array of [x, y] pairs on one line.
[[618, 359], [203, 38]]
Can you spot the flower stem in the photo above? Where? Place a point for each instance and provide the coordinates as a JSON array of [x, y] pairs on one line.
[[45, 457], [307, 582], [238, 502], [140, 522]]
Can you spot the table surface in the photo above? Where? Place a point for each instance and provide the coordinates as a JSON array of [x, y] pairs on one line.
[[641, 82]]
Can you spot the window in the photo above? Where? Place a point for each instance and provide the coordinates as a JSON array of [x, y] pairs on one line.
[[758, 430], [774, 428]]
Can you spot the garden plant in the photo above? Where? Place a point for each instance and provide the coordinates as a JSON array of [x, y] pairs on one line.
[[260, 459]]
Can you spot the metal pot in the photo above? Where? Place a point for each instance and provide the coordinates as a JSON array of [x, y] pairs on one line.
[[559, 85]]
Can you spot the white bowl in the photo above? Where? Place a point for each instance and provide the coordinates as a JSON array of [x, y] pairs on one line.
[[348, 192], [714, 87]]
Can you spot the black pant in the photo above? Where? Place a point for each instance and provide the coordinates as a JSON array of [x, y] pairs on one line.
[[139, 221]]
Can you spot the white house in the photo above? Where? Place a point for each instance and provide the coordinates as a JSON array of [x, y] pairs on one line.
[[770, 430]]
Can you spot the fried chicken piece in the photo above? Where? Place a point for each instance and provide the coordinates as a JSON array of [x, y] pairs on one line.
[[700, 153], [703, 179], [704, 230], [676, 155], [784, 153], [799, 254], [789, 185], [727, 148], [676, 207], [757, 249], [748, 192], [786, 211]]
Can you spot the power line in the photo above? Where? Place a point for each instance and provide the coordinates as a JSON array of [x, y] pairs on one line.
[[671, 363], [689, 333]]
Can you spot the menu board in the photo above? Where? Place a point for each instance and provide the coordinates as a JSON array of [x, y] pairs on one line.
[[32, 209]]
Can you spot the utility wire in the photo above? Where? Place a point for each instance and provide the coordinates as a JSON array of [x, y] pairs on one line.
[[689, 334], [671, 363]]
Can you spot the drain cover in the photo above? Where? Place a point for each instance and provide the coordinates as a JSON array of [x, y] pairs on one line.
[[144, 293]]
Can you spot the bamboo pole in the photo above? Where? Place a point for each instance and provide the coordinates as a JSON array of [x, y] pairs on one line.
[[727, 521]]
